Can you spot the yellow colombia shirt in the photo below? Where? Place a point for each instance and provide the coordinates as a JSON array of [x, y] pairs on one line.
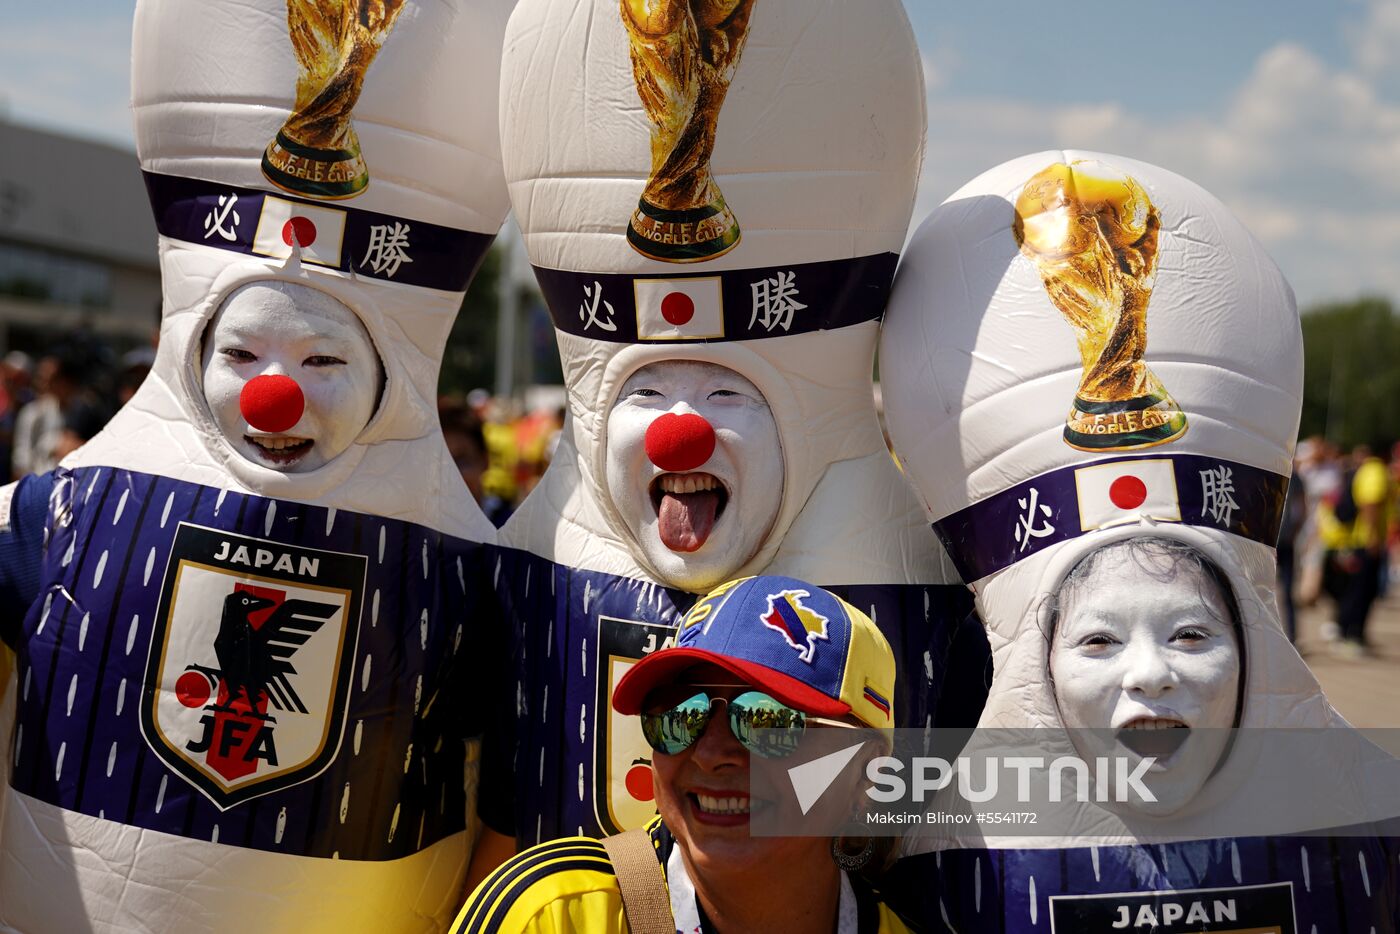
[[1369, 487], [568, 885]]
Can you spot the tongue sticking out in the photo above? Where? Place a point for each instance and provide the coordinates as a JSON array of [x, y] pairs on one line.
[[687, 519]]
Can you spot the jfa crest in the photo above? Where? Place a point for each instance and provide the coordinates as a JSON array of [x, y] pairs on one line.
[[250, 662], [623, 798]]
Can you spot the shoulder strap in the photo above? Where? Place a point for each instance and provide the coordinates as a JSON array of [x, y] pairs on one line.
[[645, 897]]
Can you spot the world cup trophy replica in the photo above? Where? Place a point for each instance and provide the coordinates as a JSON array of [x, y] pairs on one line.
[[316, 152], [684, 55], [1091, 233]]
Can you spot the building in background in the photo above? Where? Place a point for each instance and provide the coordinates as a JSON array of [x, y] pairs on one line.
[[77, 243]]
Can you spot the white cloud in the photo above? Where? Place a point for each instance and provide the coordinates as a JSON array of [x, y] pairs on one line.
[[1306, 154], [1376, 39], [938, 68], [1269, 222], [1089, 122]]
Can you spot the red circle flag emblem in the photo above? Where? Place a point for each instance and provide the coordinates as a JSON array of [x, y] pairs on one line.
[[639, 783], [1127, 492], [678, 308], [302, 229], [192, 688]]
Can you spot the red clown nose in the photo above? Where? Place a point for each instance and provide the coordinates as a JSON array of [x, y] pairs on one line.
[[677, 443], [271, 403]]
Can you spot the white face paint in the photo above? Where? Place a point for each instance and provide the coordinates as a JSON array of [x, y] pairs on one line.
[[1145, 648], [284, 329], [698, 525]]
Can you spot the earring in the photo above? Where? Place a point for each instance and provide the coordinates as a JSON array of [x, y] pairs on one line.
[[852, 862]]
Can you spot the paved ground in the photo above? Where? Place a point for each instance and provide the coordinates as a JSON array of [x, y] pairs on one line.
[[1366, 691]]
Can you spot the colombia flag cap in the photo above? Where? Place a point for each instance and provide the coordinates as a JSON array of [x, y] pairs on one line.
[[803, 645]]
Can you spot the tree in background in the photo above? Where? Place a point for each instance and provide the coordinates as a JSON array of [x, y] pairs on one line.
[[469, 361], [1351, 373]]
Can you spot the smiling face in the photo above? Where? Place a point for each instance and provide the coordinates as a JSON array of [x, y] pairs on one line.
[[1144, 647], [695, 469], [290, 375], [703, 793]]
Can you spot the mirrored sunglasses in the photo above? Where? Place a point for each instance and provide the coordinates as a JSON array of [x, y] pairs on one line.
[[765, 726]]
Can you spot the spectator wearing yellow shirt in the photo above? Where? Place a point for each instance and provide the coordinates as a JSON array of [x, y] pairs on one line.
[[1353, 529], [744, 659]]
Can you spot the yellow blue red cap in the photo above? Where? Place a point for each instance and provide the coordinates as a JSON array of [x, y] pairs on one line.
[[797, 642]]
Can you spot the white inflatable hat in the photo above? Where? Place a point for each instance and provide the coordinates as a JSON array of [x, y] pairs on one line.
[[355, 153], [742, 207], [1084, 348]]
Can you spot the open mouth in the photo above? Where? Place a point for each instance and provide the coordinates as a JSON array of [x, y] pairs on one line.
[[724, 810], [1159, 737], [687, 507], [733, 804], [280, 450]]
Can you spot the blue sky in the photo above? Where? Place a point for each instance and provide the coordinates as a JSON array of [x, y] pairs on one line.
[[1160, 59], [1288, 110]]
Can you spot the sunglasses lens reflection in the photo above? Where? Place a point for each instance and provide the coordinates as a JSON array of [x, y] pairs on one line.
[[675, 730], [765, 726]]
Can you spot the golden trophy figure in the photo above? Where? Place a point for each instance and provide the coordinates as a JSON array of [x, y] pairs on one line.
[[684, 55], [1092, 234], [316, 153]]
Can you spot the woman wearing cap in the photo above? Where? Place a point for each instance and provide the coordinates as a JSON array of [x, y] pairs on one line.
[[764, 653]]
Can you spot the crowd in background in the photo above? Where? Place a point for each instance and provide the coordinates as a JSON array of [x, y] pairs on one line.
[[1340, 538], [52, 404], [501, 448]]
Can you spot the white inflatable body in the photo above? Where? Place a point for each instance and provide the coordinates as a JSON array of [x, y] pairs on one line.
[[155, 781], [1133, 300], [724, 184]]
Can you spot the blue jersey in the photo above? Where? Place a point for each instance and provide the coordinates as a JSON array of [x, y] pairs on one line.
[[580, 768], [1289, 885], [252, 671]]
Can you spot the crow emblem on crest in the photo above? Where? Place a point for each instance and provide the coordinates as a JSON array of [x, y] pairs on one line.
[[256, 659]]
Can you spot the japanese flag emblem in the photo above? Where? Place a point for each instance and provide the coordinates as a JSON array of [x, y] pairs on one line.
[[319, 231], [1126, 490], [679, 309]]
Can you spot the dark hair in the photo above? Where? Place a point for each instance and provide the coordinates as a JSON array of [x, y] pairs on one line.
[[456, 418], [85, 418], [73, 363], [1147, 552]]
